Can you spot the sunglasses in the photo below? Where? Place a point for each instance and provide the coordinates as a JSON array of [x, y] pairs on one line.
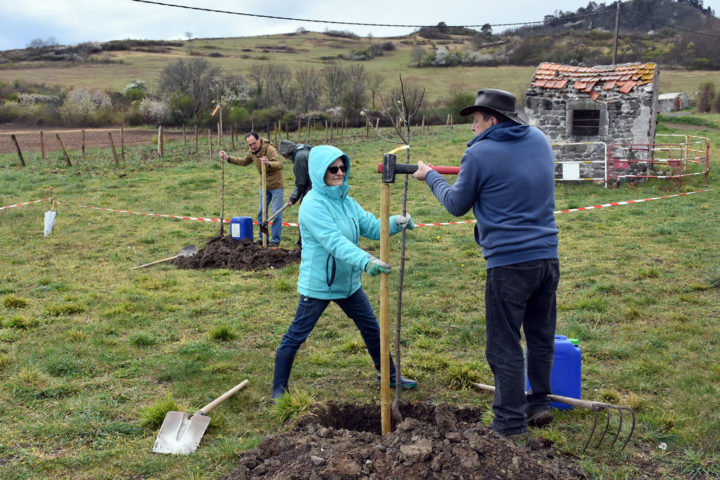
[[334, 169]]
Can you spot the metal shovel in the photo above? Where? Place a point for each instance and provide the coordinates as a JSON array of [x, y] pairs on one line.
[[181, 434], [264, 225], [187, 251]]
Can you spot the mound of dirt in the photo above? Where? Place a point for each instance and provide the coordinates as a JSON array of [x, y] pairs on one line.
[[226, 252], [338, 442]]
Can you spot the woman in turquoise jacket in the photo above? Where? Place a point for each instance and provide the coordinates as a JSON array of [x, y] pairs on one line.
[[331, 224]]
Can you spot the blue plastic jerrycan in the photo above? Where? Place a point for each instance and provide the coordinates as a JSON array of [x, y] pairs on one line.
[[565, 378], [241, 228]]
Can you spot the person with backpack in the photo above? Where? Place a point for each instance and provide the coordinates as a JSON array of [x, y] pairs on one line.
[[298, 153]]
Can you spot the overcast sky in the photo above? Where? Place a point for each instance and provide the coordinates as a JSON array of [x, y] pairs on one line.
[[70, 22]]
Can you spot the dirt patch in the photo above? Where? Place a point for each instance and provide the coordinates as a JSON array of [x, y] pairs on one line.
[[226, 252], [445, 441]]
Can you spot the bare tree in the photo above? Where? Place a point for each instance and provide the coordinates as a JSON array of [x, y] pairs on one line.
[[334, 77], [374, 82], [188, 86], [308, 88], [355, 94], [417, 54]]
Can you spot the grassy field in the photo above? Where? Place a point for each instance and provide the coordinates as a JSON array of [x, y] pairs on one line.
[[302, 51], [90, 350]]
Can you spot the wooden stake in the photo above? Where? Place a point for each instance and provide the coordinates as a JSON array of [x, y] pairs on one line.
[[17, 147], [233, 132], [42, 144], [210, 143], [82, 147], [122, 144], [184, 137], [385, 310], [263, 203], [222, 182], [159, 142], [112, 144], [196, 138], [67, 157]]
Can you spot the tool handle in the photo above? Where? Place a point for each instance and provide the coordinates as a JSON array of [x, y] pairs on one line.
[[575, 402], [156, 261], [206, 409], [274, 215], [409, 168]]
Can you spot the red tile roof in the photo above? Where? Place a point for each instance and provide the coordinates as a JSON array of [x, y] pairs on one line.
[[584, 79]]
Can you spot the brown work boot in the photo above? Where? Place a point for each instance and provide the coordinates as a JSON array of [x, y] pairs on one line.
[[526, 440], [540, 418]]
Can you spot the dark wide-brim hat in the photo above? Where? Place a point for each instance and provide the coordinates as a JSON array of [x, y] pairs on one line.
[[498, 101]]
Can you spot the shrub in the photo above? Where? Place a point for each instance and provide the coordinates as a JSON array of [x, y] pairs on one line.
[[705, 97], [11, 301], [222, 333]]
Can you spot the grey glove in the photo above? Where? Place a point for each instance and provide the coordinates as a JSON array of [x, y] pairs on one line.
[[405, 221], [375, 266]]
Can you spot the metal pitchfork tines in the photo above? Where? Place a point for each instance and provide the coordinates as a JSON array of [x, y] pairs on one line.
[[596, 407]]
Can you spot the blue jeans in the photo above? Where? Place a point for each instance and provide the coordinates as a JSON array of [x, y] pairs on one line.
[[356, 306], [274, 198], [520, 295]]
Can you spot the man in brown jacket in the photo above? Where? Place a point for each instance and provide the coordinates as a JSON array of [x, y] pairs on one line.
[[260, 151]]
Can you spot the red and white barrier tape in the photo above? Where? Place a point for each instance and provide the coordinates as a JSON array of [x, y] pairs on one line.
[[287, 224], [25, 203]]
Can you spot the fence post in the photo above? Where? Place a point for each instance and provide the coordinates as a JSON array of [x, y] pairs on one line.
[[17, 147], [82, 146], [159, 142], [122, 144], [196, 138], [184, 136], [67, 157], [233, 131], [210, 142], [42, 144], [112, 144]]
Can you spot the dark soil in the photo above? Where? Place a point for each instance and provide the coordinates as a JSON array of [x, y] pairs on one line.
[[432, 442], [226, 252]]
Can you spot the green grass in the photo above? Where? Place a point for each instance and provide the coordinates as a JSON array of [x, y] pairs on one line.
[[91, 352]]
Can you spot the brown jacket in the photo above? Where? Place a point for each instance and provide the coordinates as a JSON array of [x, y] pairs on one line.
[[273, 172]]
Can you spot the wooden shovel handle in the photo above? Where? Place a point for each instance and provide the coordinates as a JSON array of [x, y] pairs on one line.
[[575, 402], [156, 261], [206, 409]]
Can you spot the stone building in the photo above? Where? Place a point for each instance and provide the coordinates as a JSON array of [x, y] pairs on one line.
[[672, 102], [607, 104]]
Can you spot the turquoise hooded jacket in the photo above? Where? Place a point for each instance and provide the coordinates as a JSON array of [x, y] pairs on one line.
[[331, 224]]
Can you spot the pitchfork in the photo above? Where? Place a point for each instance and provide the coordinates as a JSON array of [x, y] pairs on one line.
[[595, 407]]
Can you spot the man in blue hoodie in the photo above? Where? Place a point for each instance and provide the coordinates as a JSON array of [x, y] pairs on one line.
[[507, 177]]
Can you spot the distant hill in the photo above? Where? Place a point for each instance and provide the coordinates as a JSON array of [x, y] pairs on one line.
[[675, 33]]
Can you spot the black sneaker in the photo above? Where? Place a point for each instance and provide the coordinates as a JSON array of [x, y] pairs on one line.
[[540, 418]]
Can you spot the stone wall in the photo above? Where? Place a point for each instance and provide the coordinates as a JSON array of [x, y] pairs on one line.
[[624, 118]]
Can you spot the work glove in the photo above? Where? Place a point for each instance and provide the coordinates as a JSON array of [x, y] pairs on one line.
[[404, 221], [375, 266]]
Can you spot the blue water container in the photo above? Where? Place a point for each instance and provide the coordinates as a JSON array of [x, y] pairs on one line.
[[565, 378], [241, 228]]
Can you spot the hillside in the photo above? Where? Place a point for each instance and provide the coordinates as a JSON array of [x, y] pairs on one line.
[[280, 77]]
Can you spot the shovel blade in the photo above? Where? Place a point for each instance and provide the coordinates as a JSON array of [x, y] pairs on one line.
[[180, 433], [188, 251]]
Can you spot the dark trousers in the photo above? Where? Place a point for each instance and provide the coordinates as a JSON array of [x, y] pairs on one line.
[[356, 306], [520, 295]]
